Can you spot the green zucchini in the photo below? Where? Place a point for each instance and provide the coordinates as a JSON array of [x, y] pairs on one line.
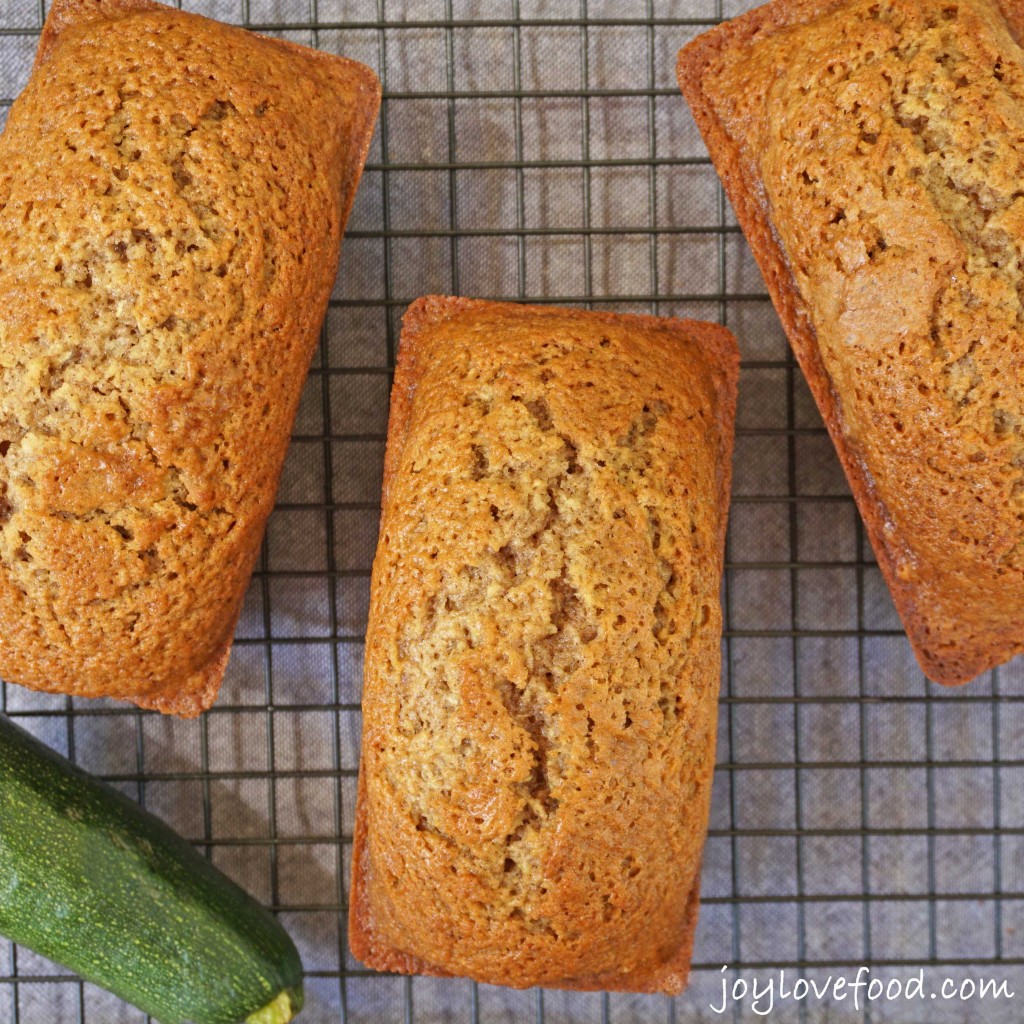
[[91, 880]]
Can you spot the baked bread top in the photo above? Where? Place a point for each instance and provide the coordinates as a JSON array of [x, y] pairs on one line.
[[874, 152], [172, 197], [542, 656]]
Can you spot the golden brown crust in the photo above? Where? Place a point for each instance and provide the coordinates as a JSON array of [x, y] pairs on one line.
[[197, 694], [66, 13], [583, 378], [367, 947], [172, 200], [961, 611]]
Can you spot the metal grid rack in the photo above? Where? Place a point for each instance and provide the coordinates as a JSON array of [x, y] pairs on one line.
[[539, 149]]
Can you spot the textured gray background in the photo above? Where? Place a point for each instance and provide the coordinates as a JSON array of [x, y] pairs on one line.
[[540, 149]]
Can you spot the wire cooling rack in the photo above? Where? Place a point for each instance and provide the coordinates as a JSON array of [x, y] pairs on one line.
[[539, 149]]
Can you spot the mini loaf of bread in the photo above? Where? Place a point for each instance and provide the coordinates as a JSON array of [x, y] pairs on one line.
[[172, 197], [542, 658], [874, 153]]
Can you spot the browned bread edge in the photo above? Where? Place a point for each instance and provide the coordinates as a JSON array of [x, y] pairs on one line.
[[199, 692]]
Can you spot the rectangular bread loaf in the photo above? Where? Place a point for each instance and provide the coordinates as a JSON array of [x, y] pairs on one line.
[[542, 657], [874, 152], [172, 198]]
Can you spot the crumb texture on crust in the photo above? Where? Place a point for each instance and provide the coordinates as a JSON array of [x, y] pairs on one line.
[[543, 651], [884, 139], [172, 196]]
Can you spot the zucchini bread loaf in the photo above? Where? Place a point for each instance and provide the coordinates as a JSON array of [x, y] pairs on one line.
[[874, 153], [172, 197], [542, 658]]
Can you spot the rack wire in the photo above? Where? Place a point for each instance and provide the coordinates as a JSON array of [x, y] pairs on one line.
[[539, 150]]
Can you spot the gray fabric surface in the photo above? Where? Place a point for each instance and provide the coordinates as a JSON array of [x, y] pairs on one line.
[[860, 815]]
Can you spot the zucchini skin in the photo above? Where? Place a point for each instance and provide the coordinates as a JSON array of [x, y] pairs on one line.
[[92, 881]]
